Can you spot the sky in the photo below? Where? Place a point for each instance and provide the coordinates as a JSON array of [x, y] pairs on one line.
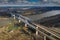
[[33, 0], [34, 3]]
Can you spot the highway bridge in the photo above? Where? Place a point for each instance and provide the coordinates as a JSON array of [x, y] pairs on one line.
[[51, 34], [46, 6]]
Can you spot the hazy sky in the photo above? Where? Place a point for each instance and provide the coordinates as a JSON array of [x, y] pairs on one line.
[[33, 0], [33, 3]]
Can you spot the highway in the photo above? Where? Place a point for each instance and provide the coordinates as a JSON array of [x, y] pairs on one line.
[[49, 31], [56, 29], [51, 34]]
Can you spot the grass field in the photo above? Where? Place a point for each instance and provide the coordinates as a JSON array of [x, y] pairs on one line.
[[10, 31]]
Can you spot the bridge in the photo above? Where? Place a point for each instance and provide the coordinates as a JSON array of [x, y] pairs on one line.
[[51, 34]]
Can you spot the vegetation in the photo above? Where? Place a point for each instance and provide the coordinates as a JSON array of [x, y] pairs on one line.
[[12, 31]]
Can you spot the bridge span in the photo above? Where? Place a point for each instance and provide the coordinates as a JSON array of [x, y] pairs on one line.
[[51, 34]]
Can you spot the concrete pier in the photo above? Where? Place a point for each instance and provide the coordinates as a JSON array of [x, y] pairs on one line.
[[37, 33], [19, 21], [26, 25], [14, 16], [44, 37]]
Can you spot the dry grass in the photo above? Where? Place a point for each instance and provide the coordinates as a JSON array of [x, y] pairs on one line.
[[11, 32]]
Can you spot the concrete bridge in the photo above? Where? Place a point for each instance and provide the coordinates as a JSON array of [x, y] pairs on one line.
[[39, 28]]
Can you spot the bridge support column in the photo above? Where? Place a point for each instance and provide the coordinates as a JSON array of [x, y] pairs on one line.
[[26, 25], [37, 33], [44, 37], [19, 21], [14, 16]]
